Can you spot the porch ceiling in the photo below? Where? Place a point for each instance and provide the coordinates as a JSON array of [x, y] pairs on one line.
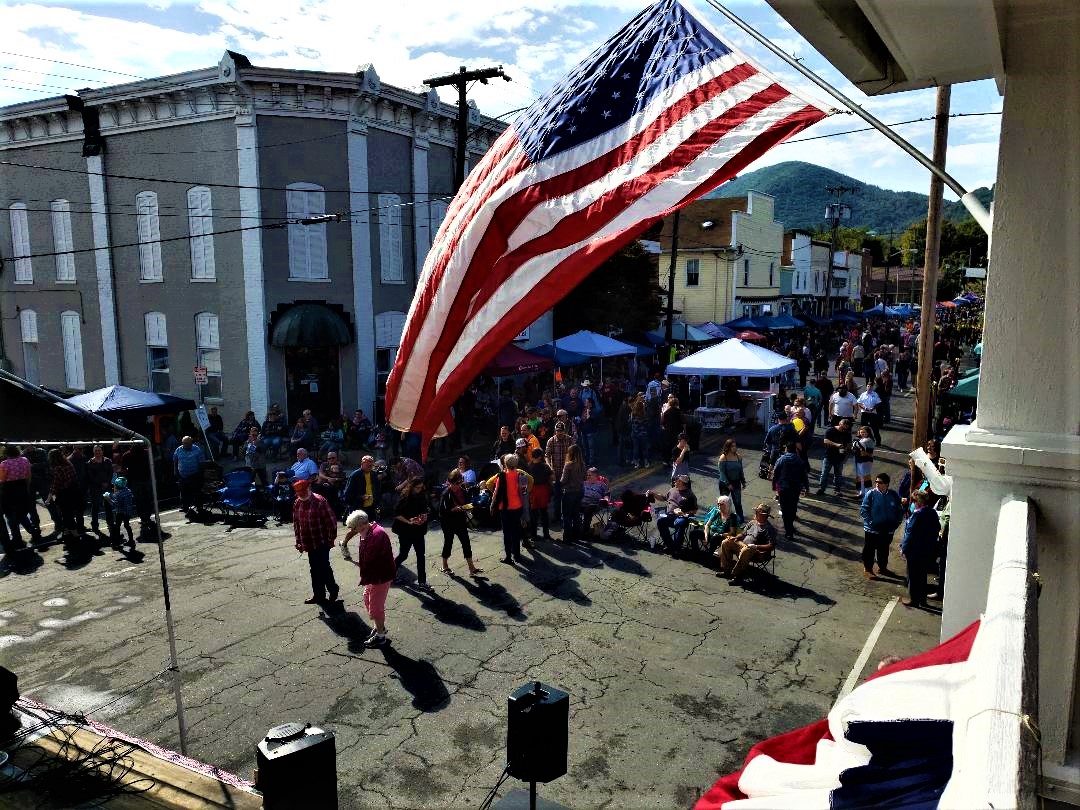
[[886, 46]]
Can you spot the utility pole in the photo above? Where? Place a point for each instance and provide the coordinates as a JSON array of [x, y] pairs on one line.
[[671, 276], [923, 407], [888, 263], [834, 213], [460, 80]]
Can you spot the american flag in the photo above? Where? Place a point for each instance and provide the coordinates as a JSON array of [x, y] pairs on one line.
[[657, 116]]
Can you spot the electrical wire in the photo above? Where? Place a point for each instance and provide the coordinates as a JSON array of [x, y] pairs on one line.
[[495, 788]]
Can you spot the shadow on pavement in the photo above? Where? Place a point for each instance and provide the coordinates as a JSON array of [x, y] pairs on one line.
[[555, 580], [492, 596], [420, 679], [23, 562], [773, 586], [445, 610], [346, 624]]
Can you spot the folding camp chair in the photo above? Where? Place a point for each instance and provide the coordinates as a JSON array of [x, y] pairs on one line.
[[237, 497]]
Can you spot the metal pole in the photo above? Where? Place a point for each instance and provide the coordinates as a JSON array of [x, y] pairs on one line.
[[671, 276], [971, 203], [923, 407], [462, 131], [885, 294], [170, 629]]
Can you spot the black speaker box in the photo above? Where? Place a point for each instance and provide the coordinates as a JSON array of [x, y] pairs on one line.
[[297, 765], [537, 732]]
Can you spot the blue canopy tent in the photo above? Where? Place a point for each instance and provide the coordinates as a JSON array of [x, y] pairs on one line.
[[681, 332], [716, 330], [960, 301], [817, 320], [779, 322], [593, 344], [884, 311], [744, 322], [846, 316], [644, 351], [905, 310], [119, 400], [562, 357]]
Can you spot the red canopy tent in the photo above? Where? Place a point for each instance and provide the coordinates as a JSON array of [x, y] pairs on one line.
[[749, 335], [512, 360]]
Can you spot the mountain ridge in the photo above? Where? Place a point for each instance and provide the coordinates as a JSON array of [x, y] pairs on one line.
[[799, 189]]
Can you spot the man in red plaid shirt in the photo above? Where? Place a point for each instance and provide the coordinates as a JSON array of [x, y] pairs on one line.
[[315, 527]]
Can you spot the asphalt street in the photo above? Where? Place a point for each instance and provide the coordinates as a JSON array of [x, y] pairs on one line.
[[672, 672]]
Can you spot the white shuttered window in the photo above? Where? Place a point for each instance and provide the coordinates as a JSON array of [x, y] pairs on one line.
[[146, 207], [208, 352], [307, 243], [388, 329], [157, 352], [391, 264], [71, 330], [201, 229], [60, 210], [28, 327], [20, 243]]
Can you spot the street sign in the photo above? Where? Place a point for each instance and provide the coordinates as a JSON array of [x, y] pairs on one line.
[[200, 375], [202, 418]]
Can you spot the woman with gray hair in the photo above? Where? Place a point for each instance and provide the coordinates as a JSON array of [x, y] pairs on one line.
[[722, 521], [375, 559]]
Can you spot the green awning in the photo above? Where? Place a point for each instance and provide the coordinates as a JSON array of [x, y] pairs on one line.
[[967, 389], [310, 325]]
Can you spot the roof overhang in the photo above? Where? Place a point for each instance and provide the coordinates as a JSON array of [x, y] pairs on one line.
[[885, 46]]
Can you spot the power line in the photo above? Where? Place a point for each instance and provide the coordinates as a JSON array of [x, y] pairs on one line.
[[897, 124]]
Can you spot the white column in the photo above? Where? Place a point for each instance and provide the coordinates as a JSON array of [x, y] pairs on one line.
[[422, 234], [247, 163], [99, 219], [1025, 440], [363, 292]]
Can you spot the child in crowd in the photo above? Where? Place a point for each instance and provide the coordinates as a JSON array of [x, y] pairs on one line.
[[123, 507]]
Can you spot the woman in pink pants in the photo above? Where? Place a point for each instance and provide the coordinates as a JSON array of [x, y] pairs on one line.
[[375, 559]]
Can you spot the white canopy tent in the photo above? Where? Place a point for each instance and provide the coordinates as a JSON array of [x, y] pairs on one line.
[[734, 358]]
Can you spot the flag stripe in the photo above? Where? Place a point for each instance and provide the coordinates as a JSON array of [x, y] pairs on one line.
[[560, 271], [624, 144], [492, 244]]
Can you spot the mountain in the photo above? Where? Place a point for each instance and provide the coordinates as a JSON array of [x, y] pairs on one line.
[[799, 189]]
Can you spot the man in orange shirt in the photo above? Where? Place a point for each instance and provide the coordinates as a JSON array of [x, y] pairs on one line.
[[511, 501]]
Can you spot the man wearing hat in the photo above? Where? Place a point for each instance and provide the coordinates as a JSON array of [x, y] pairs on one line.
[[315, 529], [755, 543], [588, 394]]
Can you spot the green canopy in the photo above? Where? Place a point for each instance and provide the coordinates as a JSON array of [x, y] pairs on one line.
[[967, 389], [309, 324]]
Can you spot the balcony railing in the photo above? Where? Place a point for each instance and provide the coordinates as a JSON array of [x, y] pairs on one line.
[[999, 765]]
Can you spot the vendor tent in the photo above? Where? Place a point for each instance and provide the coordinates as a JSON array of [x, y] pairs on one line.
[[734, 358], [30, 415], [592, 344], [883, 311], [562, 357], [644, 351], [513, 360], [745, 322], [748, 334], [946, 305], [779, 323], [119, 400], [847, 315], [965, 389], [716, 330], [681, 332], [814, 319]]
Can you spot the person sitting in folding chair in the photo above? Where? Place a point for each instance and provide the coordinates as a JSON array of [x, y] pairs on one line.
[[681, 505], [755, 544], [633, 514], [720, 522], [595, 490]]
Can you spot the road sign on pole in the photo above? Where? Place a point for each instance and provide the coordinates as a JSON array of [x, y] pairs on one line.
[[200, 375]]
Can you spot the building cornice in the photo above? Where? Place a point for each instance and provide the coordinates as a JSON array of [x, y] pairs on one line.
[[234, 89]]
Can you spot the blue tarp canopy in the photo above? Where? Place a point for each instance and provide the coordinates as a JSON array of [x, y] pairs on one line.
[[716, 330], [681, 332], [960, 301], [779, 322], [593, 344], [644, 351], [881, 309], [904, 310], [847, 315], [119, 400], [562, 357], [814, 319], [744, 322]]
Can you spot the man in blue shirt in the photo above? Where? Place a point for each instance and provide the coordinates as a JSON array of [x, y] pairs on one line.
[[188, 459], [779, 436], [304, 468], [882, 512], [790, 479]]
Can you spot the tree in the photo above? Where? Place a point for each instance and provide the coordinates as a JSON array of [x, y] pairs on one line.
[[619, 295], [963, 244]]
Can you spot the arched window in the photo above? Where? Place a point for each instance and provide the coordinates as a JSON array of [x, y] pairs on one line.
[[60, 211], [29, 330], [157, 352], [208, 353], [71, 331], [201, 229], [391, 263], [146, 215], [307, 243], [20, 243]]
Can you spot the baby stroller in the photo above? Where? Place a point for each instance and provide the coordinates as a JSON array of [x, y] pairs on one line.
[[633, 514]]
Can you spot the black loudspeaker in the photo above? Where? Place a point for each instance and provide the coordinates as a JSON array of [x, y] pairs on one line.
[[537, 732], [9, 693], [297, 767]]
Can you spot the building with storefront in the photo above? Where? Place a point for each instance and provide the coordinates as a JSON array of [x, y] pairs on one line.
[[157, 225], [808, 259]]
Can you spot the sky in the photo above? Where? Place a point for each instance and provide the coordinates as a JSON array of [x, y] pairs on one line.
[[536, 41]]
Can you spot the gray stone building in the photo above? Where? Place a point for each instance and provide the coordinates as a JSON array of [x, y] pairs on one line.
[[148, 211]]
